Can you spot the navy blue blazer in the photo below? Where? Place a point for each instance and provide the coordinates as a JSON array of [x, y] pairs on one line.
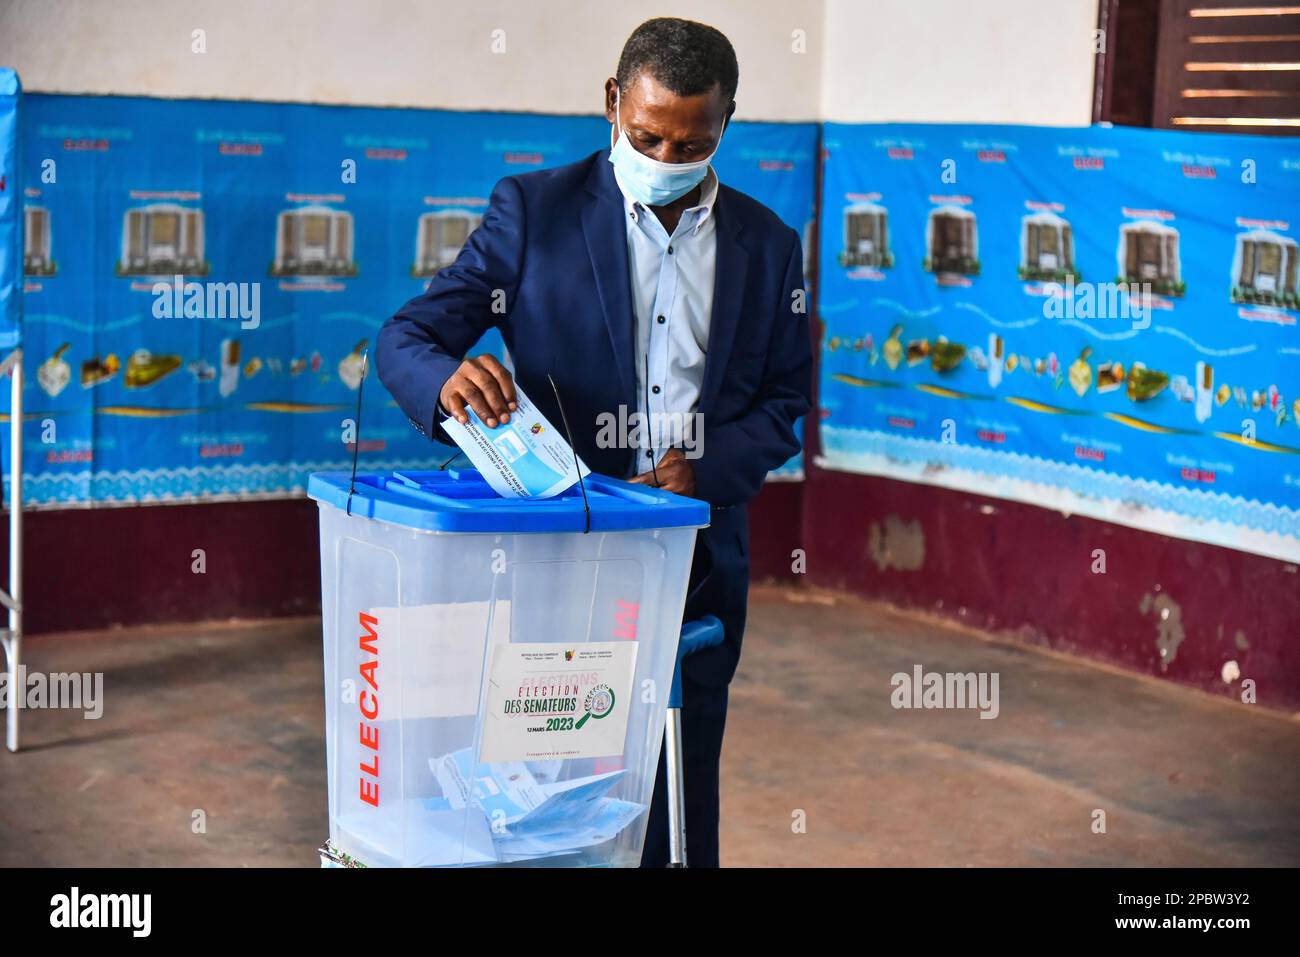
[[548, 266]]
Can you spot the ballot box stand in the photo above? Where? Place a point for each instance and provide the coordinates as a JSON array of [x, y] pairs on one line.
[[497, 671]]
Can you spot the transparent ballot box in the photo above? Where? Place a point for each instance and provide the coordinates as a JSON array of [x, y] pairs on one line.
[[496, 674]]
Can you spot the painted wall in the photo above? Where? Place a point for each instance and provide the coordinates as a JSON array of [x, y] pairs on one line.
[[120, 567], [1163, 607], [517, 55], [1196, 614], [954, 61], [1013, 61], [1203, 616]]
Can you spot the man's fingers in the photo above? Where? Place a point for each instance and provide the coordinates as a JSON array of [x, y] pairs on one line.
[[474, 399], [492, 394], [673, 473], [673, 457], [455, 404], [646, 478], [669, 483], [489, 395], [485, 386], [502, 376]]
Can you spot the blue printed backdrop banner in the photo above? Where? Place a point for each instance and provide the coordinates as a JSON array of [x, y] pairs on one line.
[[1098, 320], [11, 213], [776, 163], [295, 231]]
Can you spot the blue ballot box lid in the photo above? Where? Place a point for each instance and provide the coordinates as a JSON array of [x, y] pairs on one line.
[[460, 500]]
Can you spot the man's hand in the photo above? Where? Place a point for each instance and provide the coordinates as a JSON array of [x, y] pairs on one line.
[[676, 474], [483, 384]]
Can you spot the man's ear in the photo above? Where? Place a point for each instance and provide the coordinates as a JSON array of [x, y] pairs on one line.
[[726, 119], [611, 87]]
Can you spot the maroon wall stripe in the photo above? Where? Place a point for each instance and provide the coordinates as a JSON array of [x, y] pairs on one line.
[[1163, 607], [113, 567]]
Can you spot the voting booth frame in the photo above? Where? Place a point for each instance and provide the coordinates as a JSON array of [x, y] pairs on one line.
[[12, 636], [11, 310]]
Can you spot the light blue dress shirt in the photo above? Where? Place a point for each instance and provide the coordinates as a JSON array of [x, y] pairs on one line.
[[672, 298]]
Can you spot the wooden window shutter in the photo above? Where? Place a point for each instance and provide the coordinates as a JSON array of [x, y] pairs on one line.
[[1228, 66]]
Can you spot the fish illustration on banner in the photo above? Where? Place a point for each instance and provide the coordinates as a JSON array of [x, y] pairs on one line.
[[1102, 320]]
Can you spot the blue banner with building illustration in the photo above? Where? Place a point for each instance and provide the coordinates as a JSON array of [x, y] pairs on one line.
[[11, 213], [1099, 320], [203, 278]]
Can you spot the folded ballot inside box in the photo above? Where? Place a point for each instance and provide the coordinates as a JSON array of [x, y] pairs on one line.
[[504, 813], [527, 813]]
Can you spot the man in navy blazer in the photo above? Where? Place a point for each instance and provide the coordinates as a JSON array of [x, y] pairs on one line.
[[640, 284]]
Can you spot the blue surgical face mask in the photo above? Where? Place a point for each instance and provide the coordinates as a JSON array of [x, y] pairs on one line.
[[647, 180]]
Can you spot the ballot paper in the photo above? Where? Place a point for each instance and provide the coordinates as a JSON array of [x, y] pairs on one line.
[[509, 794], [525, 458], [608, 818], [505, 791], [527, 818], [503, 813]]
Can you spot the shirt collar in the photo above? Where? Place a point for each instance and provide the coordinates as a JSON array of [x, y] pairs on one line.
[[703, 209]]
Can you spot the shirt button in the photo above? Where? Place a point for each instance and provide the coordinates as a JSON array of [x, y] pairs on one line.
[[670, 250], [649, 454], [662, 320], [655, 390]]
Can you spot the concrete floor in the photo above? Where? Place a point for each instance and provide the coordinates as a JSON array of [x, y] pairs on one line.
[[228, 720]]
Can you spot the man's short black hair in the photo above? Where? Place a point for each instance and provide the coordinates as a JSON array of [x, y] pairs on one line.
[[686, 57]]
